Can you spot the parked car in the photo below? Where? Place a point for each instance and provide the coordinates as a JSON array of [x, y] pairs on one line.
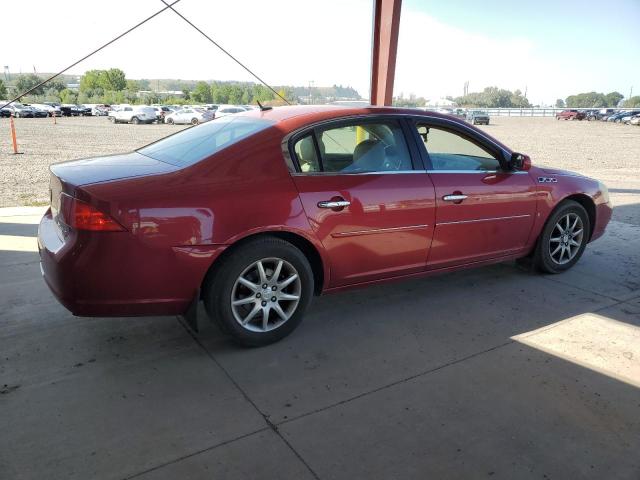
[[161, 112], [478, 117], [81, 111], [224, 110], [570, 115], [135, 114], [194, 116], [100, 110], [50, 109], [37, 112], [609, 112], [635, 120], [460, 112], [616, 115], [626, 117], [255, 213], [591, 115], [18, 110]]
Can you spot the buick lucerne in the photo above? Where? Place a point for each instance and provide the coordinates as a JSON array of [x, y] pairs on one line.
[[257, 212]]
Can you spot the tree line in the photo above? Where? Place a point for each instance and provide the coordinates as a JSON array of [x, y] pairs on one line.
[[597, 100], [112, 87]]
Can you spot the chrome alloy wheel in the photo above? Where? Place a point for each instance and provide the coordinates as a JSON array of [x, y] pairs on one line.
[[266, 295], [566, 238]]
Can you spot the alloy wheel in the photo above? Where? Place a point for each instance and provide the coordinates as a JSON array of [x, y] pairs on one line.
[[266, 294], [566, 238]]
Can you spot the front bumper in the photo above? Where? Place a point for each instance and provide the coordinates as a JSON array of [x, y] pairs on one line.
[[603, 216]]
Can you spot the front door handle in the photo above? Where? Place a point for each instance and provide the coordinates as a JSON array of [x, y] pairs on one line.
[[334, 204], [454, 198]]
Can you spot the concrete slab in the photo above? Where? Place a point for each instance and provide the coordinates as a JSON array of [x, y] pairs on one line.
[[120, 419], [595, 341], [514, 412], [259, 456], [355, 342]]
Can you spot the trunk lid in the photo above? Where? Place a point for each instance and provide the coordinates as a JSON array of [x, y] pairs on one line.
[[103, 169]]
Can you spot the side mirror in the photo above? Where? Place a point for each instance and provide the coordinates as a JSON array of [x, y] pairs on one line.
[[519, 161]]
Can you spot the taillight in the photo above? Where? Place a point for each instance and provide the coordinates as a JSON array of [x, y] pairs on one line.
[[82, 216]]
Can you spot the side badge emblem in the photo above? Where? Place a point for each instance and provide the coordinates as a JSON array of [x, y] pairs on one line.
[[547, 180]]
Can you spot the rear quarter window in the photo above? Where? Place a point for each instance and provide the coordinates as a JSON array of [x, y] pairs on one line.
[[197, 143]]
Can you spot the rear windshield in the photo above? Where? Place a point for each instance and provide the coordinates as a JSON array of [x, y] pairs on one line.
[[197, 143]]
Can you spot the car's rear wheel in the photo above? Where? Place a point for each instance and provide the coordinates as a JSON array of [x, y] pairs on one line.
[[135, 120], [194, 121], [563, 239], [259, 293], [169, 121]]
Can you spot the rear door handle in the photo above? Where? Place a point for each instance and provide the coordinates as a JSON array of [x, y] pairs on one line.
[[454, 198], [334, 204]]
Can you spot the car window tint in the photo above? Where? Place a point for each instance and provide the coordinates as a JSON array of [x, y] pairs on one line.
[[197, 143], [307, 155], [365, 147], [450, 151]]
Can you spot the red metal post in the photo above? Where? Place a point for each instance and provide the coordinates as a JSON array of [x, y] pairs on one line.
[[386, 25]]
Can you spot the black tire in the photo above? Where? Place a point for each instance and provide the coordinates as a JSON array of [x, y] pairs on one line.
[[135, 120], [195, 121], [218, 288], [169, 121], [543, 260]]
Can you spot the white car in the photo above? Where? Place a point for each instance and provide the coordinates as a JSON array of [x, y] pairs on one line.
[[133, 114], [224, 110], [186, 115]]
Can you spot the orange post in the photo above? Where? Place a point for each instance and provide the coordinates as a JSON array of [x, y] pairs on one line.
[[53, 114], [13, 134]]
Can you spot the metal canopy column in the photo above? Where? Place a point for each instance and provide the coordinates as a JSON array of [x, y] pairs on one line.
[[386, 25]]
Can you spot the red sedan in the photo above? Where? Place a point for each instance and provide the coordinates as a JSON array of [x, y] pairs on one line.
[[257, 212]]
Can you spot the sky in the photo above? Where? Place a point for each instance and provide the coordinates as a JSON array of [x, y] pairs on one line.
[[550, 48]]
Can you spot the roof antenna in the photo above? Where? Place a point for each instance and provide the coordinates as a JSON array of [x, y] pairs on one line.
[[262, 107]]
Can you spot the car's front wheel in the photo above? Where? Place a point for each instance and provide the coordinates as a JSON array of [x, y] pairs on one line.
[[563, 239], [258, 294], [194, 121], [135, 120], [169, 121]]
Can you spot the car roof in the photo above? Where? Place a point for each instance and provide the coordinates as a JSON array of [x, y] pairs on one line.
[[293, 117]]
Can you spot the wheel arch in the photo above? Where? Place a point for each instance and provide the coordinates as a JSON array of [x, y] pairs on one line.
[[589, 205], [318, 265]]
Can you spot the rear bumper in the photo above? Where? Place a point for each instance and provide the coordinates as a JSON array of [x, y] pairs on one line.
[[603, 215], [113, 274]]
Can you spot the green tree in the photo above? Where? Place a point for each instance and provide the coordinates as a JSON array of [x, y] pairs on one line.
[[3, 89], [133, 85], [559, 103], [91, 80], [68, 96], [113, 79], [202, 93], [613, 98], [633, 102], [587, 100], [26, 82]]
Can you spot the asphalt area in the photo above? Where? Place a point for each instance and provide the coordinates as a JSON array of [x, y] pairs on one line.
[[495, 372]]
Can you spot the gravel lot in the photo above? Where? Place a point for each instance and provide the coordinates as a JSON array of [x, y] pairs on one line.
[[608, 152]]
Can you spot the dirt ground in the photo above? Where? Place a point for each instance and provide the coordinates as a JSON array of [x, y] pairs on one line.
[[605, 151]]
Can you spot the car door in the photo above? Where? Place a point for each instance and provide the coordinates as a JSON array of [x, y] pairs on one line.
[[366, 198], [483, 212]]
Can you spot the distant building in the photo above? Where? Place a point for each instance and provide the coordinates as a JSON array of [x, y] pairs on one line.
[[440, 102]]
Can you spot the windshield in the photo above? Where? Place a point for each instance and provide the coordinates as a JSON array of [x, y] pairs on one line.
[[197, 143]]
